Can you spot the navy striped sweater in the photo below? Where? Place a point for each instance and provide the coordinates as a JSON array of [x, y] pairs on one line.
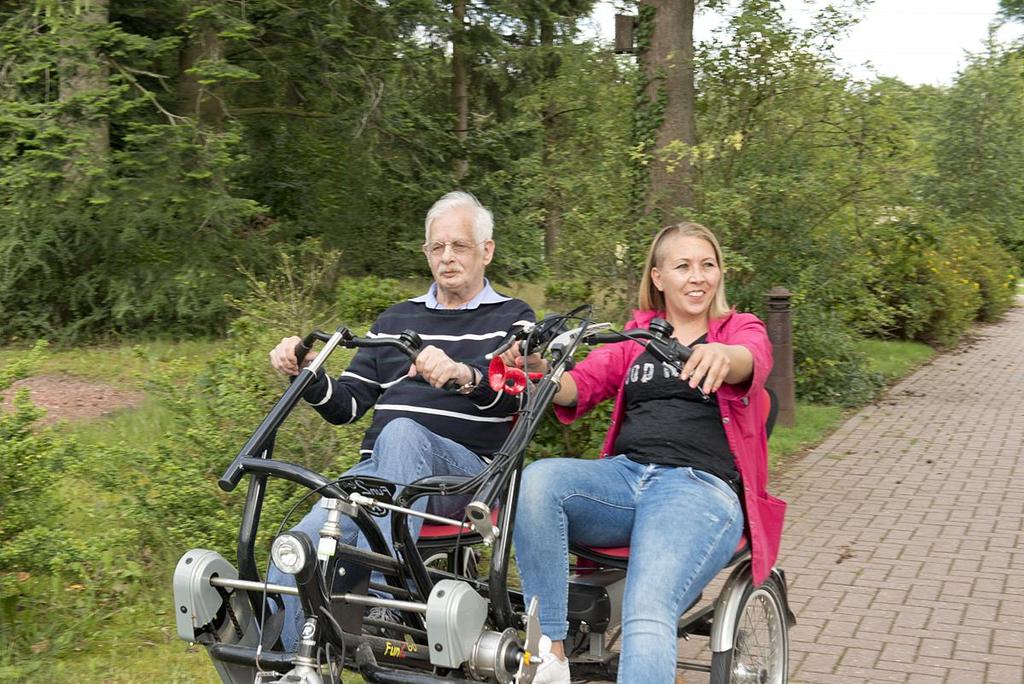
[[480, 421]]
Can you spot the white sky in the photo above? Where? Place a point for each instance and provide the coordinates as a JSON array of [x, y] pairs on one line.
[[917, 41]]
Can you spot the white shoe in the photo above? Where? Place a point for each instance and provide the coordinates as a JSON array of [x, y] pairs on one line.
[[553, 670]]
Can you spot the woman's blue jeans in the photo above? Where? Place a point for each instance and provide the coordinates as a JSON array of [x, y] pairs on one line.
[[404, 452], [682, 526]]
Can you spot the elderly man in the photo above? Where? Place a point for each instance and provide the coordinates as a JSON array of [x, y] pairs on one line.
[[419, 429]]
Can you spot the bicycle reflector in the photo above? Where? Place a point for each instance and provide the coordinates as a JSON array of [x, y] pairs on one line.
[[289, 554]]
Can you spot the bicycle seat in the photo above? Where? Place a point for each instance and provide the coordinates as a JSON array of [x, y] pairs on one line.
[[618, 556], [433, 535]]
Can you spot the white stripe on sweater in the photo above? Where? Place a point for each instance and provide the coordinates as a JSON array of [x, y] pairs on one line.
[[437, 412], [330, 391], [382, 385], [448, 338]]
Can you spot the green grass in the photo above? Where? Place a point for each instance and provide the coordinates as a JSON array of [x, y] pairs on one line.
[[128, 364], [894, 358], [812, 424], [135, 643], [142, 425]]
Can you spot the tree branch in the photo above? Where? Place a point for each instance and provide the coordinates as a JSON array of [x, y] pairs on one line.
[[173, 119], [549, 117], [278, 111]]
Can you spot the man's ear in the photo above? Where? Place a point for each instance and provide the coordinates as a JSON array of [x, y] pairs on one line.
[[488, 251]]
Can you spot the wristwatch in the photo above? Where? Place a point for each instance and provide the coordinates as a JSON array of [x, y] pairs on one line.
[[473, 383]]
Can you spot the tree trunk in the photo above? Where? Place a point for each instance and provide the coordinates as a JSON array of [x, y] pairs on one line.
[[553, 202], [460, 88], [83, 75], [668, 71], [204, 103]]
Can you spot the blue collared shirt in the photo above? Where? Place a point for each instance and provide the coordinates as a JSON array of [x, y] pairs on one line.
[[485, 296]]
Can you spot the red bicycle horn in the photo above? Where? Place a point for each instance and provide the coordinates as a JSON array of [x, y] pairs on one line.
[[507, 378]]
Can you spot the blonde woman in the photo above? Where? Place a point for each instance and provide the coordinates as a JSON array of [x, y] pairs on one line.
[[684, 477]]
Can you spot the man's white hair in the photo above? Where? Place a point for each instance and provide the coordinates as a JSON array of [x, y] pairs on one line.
[[483, 220]]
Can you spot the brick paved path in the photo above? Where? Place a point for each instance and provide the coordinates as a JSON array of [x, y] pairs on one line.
[[904, 542], [905, 538]]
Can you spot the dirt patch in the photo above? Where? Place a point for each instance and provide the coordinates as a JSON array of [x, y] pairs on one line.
[[72, 399]]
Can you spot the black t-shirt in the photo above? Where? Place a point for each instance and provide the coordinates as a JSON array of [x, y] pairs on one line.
[[668, 423]]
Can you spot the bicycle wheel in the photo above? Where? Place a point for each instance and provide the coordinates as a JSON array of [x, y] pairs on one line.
[[466, 560], [760, 650]]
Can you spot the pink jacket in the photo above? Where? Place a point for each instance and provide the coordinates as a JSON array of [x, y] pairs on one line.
[[744, 408]]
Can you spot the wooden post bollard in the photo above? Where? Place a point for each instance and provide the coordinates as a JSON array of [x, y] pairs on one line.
[[780, 330]]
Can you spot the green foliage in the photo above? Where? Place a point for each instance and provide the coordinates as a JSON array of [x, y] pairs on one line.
[[212, 416], [583, 182], [60, 534], [113, 261], [29, 459], [361, 300], [828, 367], [979, 150], [91, 522], [937, 279], [567, 293], [295, 297], [1012, 9], [22, 365], [583, 438], [153, 162]]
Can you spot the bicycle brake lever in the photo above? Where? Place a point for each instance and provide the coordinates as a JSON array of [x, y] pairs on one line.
[[565, 338], [517, 329], [675, 354]]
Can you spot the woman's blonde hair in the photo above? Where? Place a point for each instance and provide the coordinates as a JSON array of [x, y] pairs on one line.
[[652, 299]]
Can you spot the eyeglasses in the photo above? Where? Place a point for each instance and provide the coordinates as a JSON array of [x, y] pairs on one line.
[[459, 248]]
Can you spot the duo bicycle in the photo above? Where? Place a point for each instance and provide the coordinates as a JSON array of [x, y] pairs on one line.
[[456, 622]]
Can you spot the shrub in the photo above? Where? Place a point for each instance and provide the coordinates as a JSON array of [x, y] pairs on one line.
[[582, 438], [567, 293], [936, 279], [68, 551], [294, 297], [29, 463], [993, 269], [827, 366], [361, 300]]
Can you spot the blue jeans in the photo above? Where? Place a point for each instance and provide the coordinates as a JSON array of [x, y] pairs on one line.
[[682, 526], [404, 452]]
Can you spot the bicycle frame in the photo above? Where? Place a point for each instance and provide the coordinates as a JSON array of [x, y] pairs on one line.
[[489, 648]]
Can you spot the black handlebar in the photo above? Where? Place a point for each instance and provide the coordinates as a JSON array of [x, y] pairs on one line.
[[534, 337], [408, 342], [306, 345], [659, 338], [660, 343]]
